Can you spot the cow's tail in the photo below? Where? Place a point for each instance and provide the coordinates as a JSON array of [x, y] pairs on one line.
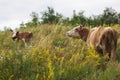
[[109, 41], [112, 43], [115, 38]]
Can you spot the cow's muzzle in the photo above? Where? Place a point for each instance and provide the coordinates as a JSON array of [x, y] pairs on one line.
[[13, 38]]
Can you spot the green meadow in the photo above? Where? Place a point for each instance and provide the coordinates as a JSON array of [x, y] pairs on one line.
[[54, 56]]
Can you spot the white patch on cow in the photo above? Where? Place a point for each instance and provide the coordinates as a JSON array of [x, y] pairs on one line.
[[108, 28], [73, 33], [14, 33], [91, 36], [93, 31], [94, 28], [23, 40]]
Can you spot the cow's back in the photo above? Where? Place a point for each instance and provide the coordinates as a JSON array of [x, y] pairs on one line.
[[94, 36], [25, 35]]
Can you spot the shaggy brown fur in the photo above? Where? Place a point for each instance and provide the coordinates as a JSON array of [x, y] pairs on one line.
[[24, 36]]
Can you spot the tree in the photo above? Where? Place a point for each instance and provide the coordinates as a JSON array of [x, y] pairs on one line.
[[119, 18], [50, 16], [66, 21], [96, 20], [78, 18], [22, 25], [109, 16], [74, 19], [35, 18], [82, 18]]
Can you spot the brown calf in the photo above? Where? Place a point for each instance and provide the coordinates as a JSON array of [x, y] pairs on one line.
[[104, 39], [24, 36]]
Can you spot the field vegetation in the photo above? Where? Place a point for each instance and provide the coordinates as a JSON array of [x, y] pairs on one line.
[[53, 56]]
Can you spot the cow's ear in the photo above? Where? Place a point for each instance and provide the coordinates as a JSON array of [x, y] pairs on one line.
[[77, 29], [80, 27], [11, 30], [17, 33]]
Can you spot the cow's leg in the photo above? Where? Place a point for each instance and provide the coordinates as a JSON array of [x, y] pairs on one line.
[[18, 43], [113, 50], [106, 53], [113, 55], [24, 42], [31, 42]]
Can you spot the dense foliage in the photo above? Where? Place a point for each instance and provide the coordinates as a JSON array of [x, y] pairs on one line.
[[54, 56], [49, 16]]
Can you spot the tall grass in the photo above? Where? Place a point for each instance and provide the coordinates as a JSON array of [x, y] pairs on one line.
[[53, 56]]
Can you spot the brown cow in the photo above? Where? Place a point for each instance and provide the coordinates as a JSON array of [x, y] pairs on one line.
[[104, 39], [24, 36]]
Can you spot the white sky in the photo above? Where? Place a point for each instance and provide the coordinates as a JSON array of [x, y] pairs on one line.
[[13, 12]]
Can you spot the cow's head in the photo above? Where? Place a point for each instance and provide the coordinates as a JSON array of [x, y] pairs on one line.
[[14, 34], [78, 32]]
